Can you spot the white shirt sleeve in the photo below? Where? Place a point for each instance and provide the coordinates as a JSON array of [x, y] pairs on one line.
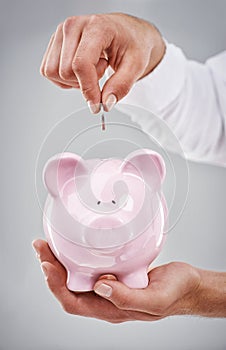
[[191, 98]]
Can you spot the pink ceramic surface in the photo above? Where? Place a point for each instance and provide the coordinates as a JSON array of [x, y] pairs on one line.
[[105, 216]]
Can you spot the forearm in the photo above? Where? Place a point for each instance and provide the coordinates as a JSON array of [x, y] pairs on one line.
[[211, 297], [208, 298]]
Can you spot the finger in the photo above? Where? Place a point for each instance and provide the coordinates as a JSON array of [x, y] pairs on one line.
[[50, 66], [51, 69], [55, 275], [84, 304], [42, 68], [65, 85], [125, 298], [101, 67], [120, 83], [57, 284], [45, 254], [95, 306], [43, 251], [85, 63], [72, 29]]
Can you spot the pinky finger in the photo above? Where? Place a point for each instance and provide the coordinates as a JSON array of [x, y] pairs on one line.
[[42, 67], [57, 285], [65, 86]]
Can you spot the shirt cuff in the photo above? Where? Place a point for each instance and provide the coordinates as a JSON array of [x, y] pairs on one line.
[[162, 86]]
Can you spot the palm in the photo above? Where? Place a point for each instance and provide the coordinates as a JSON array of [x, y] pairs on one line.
[[167, 284]]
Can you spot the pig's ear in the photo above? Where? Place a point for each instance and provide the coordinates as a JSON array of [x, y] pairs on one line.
[[58, 170], [150, 165]]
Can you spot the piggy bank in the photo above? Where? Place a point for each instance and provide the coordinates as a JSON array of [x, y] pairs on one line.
[[105, 216]]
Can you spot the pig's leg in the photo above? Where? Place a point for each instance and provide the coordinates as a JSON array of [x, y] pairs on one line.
[[80, 281], [136, 279]]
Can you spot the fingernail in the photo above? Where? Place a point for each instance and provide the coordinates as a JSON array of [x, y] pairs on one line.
[[94, 107], [110, 102], [103, 290], [44, 270], [108, 277]]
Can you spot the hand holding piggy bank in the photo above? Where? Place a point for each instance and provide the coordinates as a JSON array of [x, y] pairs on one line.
[[105, 216]]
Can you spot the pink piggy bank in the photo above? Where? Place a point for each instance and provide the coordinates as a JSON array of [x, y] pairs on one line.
[[105, 216]]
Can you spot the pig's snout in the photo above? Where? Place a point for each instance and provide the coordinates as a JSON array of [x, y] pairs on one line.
[[106, 222], [106, 232]]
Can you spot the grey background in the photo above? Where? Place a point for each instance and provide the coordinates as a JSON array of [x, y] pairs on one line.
[[30, 106]]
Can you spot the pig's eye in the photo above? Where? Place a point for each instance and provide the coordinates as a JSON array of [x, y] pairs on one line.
[[98, 202], [114, 202]]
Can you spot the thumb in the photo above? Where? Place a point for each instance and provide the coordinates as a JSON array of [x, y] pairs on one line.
[[120, 82], [122, 296]]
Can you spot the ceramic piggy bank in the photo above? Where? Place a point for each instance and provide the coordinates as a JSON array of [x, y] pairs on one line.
[[105, 216]]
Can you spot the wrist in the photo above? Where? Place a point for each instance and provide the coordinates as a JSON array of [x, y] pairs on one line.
[[206, 295], [189, 293], [157, 52]]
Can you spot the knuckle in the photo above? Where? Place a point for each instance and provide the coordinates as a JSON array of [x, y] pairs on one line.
[[78, 65], [50, 72], [68, 23], [67, 307], [124, 88], [76, 84], [140, 65], [65, 73], [122, 303], [42, 70], [75, 308], [95, 18], [88, 93], [99, 25], [87, 90], [59, 27]]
